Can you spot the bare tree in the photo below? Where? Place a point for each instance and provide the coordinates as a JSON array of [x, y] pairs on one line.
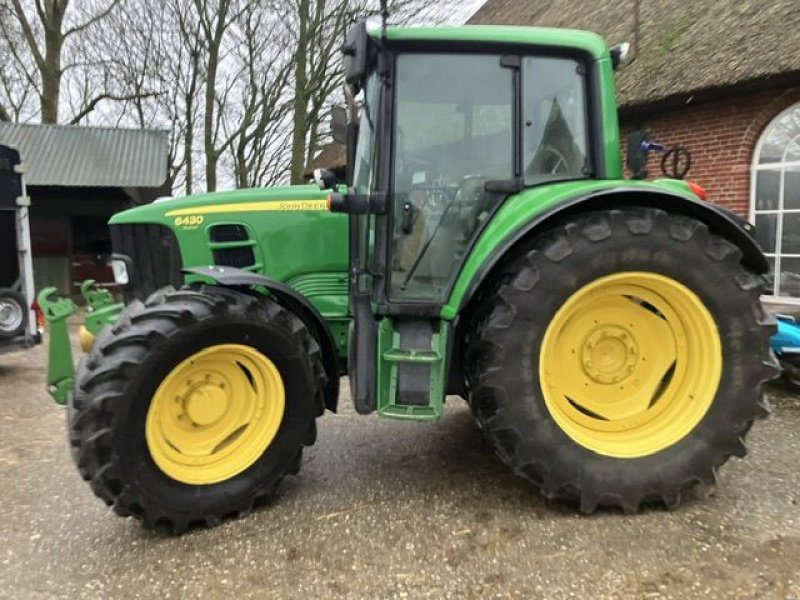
[[215, 19], [218, 75], [258, 138], [187, 73], [156, 67], [317, 28], [15, 88], [44, 32], [243, 86], [244, 95]]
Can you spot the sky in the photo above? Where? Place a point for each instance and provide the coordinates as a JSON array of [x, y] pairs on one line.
[[466, 9]]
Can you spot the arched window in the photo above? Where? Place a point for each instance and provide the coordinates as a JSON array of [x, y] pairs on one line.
[[775, 199]]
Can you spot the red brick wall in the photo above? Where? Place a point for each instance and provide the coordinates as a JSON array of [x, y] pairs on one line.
[[722, 136]]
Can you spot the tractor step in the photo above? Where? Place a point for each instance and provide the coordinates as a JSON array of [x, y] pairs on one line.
[[412, 356], [411, 368]]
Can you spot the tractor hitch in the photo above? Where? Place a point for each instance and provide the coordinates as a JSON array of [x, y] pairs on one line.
[[101, 310], [60, 370]]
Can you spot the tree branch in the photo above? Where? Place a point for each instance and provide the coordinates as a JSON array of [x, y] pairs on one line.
[[97, 99], [99, 16], [27, 31]]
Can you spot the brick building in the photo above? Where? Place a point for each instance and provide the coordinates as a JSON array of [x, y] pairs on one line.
[[721, 77]]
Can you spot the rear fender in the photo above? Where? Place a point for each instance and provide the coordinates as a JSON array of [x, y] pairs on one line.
[[719, 220], [469, 283]]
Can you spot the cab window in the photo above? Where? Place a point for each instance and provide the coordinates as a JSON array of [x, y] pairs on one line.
[[554, 120]]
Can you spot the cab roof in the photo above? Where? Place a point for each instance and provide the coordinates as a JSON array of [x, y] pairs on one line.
[[585, 41]]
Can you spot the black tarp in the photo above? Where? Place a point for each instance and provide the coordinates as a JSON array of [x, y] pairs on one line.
[[10, 180]]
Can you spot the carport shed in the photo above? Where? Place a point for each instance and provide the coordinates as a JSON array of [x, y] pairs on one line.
[[77, 178]]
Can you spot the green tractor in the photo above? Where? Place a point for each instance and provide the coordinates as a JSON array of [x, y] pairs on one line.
[[606, 333]]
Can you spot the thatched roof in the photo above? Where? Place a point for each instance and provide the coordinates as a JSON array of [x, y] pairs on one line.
[[688, 48], [332, 156]]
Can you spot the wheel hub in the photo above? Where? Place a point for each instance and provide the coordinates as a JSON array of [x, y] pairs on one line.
[[609, 354], [10, 315], [205, 404]]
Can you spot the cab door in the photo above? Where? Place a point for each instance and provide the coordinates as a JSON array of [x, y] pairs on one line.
[[454, 118], [445, 130], [362, 338]]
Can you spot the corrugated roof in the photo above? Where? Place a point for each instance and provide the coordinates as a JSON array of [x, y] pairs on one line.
[[89, 156], [685, 47]]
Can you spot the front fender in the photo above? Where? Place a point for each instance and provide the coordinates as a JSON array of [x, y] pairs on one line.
[[538, 208], [293, 301]]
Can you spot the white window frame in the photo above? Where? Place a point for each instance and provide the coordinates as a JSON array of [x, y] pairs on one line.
[[781, 167]]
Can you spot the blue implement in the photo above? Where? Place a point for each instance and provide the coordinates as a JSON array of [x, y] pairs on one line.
[[786, 346]]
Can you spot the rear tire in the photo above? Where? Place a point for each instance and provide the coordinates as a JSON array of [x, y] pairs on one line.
[[111, 412], [509, 343]]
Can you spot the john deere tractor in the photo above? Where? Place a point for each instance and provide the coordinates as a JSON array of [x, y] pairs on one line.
[[606, 333]]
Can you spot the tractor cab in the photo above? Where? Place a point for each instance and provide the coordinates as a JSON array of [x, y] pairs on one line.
[[446, 131]]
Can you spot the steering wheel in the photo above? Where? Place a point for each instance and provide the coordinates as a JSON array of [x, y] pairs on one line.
[[676, 162], [471, 202], [554, 161]]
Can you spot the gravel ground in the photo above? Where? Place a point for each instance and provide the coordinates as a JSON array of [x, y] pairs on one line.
[[386, 509]]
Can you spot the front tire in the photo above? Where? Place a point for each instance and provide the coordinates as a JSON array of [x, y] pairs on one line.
[[195, 405], [557, 358]]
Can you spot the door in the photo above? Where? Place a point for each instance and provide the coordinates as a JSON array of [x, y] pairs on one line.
[[454, 124], [451, 132], [362, 338]]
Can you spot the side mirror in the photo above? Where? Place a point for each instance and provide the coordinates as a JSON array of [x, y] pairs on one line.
[[325, 179], [638, 148], [355, 54], [621, 55], [339, 124]]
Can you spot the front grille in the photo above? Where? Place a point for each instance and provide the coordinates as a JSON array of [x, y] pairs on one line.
[[231, 246], [228, 233], [154, 254], [239, 257]]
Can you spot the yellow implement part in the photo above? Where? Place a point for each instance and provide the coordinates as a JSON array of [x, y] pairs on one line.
[[86, 338], [630, 364], [215, 414]]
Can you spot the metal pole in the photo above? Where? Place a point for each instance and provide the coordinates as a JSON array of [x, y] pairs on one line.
[[24, 252]]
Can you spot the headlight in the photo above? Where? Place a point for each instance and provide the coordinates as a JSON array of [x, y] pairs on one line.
[[120, 271]]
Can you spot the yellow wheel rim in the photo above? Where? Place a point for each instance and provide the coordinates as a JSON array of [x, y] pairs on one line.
[[630, 364], [215, 414]]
